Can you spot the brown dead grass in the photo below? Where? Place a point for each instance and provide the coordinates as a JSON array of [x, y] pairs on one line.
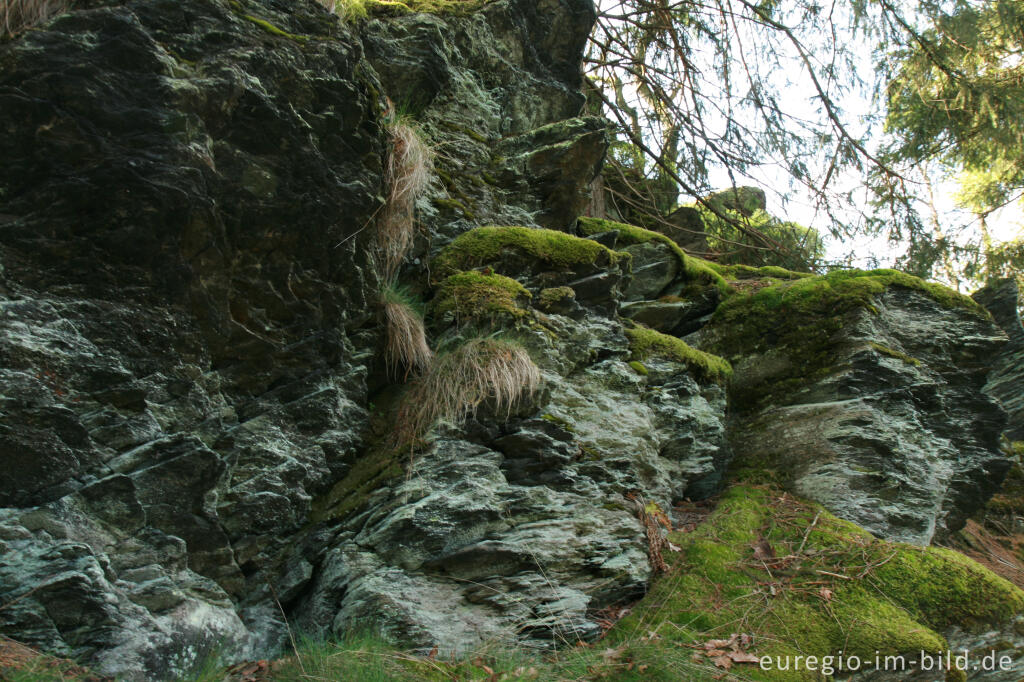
[[407, 174], [17, 16], [406, 344], [460, 381]]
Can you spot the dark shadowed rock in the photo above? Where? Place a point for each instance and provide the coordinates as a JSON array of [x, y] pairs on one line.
[[1006, 380]]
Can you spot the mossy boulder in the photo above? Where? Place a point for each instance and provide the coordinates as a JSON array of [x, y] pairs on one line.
[[539, 259], [800, 582], [488, 245], [799, 318], [832, 372], [475, 296], [645, 343], [693, 270]]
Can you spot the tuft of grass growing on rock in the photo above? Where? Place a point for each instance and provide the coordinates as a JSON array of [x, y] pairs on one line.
[[18, 16], [406, 339], [645, 342], [407, 173], [481, 369]]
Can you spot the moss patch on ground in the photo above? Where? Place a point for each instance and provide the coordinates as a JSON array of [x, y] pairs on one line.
[[476, 295], [645, 343], [802, 582], [485, 245], [695, 269]]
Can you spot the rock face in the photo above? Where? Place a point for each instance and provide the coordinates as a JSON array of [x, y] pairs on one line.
[[190, 339], [1006, 380], [196, 414], [875, 411]]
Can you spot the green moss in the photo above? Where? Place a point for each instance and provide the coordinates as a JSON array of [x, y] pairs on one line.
[[554, 295], [695, 269], [453, 205], [367, 475], [559, 421], [485, 245], [644, 343], [891, 598], [638, 367], [360, 9], [800, 318], [474, 295], [893, 353], [745, 272], [274, 30]]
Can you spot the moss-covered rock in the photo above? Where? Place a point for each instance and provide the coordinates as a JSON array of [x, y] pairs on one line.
[[485, 245], [475, 295], [799, 319], [829, 377], [645, 343], [694, 269], [802, 582], [361, 9]]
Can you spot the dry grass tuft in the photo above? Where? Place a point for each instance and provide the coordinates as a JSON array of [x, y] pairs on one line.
[[17, 16], [407, 174], [458, 382], [406, 345]]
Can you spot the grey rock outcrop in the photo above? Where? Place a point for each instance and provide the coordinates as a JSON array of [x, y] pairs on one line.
[[890, 429], [194, 403]]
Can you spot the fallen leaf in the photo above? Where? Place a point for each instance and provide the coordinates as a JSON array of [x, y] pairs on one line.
[[763, 550], [433, 654], [714, 653], [826, 594], [722, 662], [612, 655], [721, 643], [744, 657], [642, 667]]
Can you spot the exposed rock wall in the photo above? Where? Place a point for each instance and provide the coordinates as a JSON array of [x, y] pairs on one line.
[[190, 333], [195, 412]]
